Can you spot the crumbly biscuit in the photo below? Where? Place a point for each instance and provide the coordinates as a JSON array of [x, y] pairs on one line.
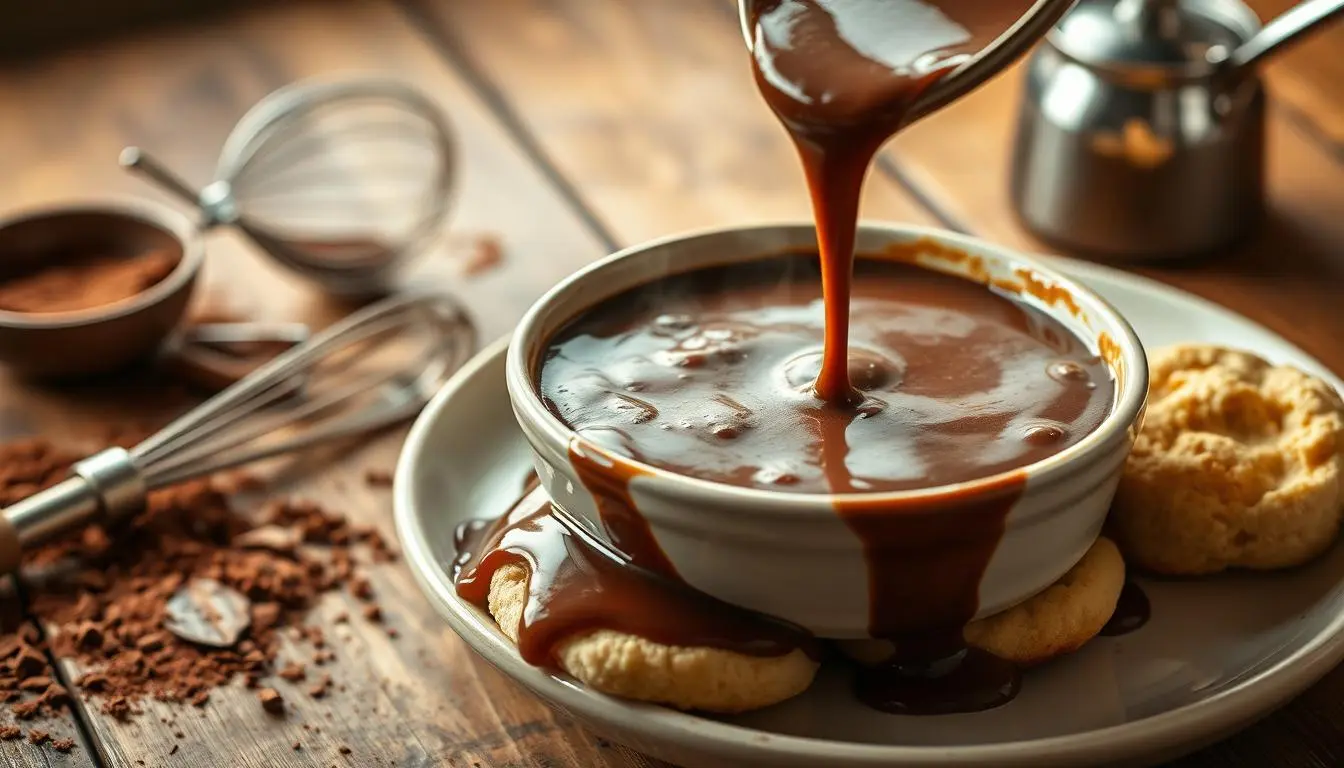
[[1238, 465], [707, 679], [1057, 621]]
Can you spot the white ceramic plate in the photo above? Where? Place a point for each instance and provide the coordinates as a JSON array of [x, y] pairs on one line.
[[1216, 655]]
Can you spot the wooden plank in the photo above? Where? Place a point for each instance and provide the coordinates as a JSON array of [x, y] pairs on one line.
[[420, 698], [648, 107], [32, 27], [1306, 78]]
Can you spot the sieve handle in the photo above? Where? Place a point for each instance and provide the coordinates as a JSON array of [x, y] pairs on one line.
[[135, 159]]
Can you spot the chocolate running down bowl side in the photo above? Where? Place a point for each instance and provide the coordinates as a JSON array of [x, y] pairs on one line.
[[107, 337], [790, 555]]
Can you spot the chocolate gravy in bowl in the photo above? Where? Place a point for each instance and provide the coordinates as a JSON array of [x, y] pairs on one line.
[[671, 416], [883, 448]]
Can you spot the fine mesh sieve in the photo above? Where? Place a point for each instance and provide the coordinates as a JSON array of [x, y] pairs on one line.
[[342, 181]]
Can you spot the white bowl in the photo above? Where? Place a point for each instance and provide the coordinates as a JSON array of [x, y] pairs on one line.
[[788, 554]]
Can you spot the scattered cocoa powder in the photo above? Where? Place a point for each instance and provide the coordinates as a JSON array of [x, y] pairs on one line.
[[291, 672], [361, 588], [72, 284], [56, 695], [104, 594], [378, 478], [477, 254], [319, 689], [35, 683], [271, 700]]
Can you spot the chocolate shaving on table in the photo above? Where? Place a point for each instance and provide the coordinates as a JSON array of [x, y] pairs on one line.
[[206, 612], [271, 701], [476, 254], [273, 537]]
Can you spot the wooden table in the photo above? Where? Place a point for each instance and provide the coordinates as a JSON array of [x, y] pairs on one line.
[[584, 126]]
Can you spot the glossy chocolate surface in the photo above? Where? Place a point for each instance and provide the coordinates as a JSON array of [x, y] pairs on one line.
[[709, 375]]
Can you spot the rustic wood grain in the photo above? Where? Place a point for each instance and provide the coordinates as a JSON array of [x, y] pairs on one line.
[[421, 698], [649, 108]]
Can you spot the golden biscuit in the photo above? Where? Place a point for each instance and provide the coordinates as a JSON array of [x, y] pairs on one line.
[[1238, 465], [624, 665], [1055, 622]]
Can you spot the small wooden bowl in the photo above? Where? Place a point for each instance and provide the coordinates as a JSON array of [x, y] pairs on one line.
[[104, 338]]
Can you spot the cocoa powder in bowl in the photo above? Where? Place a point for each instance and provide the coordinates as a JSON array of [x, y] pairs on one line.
[[89, 290], [73, 282]]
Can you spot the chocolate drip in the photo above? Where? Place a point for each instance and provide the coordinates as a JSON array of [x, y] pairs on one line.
[[1132, 611], [576, 585]]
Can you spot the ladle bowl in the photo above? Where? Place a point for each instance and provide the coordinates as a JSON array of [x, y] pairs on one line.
[[992, 59]]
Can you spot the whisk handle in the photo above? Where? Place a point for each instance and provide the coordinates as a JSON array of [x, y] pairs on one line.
[[104, 486], [70, 503]]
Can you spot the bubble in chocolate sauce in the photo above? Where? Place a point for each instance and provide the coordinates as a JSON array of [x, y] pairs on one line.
[[1066, 371], [774, 475], [673, 323], [636, 410], [1043, 433], [868, 370], [870, 407]]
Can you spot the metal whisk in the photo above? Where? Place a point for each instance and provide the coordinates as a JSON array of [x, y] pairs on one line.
[[373, 369], [342, 181]]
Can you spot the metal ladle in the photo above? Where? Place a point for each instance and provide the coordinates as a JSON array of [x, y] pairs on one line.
[[989, 61]]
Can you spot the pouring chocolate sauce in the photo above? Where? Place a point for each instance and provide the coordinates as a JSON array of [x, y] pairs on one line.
[[842, 76]]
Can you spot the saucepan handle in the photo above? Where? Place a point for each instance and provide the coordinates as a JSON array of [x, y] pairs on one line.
[[1289, 27]]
